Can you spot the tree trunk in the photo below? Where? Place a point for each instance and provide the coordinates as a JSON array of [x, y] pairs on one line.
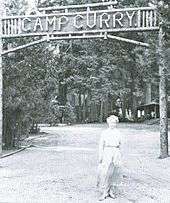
[[9, 128], [18, 134], [163, 99], [62, 95], [148, 92], [101, 111], [93, 112], [79, 111], [84, 108], [106, 108], [133, 99], [123, 108]]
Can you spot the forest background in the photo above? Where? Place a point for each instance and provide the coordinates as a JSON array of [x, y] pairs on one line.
[[77, 81]]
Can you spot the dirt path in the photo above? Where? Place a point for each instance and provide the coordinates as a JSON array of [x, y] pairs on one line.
[[62, 168]]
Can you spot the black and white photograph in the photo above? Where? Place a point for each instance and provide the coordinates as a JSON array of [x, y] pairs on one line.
[[84, 101]]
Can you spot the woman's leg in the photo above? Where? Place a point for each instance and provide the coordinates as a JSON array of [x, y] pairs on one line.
[[116, 180], [107, 183]]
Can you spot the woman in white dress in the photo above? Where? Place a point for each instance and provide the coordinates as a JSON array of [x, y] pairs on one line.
[[110, 159]]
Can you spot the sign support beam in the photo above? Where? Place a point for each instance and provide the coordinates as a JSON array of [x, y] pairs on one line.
[[1, 76], [163, 97], [128, 40], [101, 35], [24, 46]]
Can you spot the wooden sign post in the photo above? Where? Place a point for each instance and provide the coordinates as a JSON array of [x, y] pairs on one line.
[[163, 99], [1, 75]]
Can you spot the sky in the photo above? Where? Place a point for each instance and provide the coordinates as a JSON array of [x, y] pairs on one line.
[[31, 2], [31, 5]]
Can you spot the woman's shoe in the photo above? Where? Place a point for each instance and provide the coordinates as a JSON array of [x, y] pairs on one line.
[[103, 196], [112, 195]]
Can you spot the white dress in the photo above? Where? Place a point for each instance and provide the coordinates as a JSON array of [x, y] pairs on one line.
[[110, 158]]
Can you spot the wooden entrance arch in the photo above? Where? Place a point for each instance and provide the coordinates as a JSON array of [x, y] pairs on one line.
[[97, 20]]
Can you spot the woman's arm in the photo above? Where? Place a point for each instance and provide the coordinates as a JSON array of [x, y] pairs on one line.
[[120, 141], [101, 148]]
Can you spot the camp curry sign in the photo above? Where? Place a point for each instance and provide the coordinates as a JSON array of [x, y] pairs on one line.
[[72, 23]]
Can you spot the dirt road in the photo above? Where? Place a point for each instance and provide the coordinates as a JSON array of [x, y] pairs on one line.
[[62, 167]]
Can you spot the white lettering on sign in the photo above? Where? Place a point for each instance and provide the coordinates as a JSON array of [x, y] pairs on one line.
[[38, 25], [130, 17], [62, 21], [91, 17], [24, 23], [77, 24], [169, 98], [50, 23], [117, 19], [105, 20]]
